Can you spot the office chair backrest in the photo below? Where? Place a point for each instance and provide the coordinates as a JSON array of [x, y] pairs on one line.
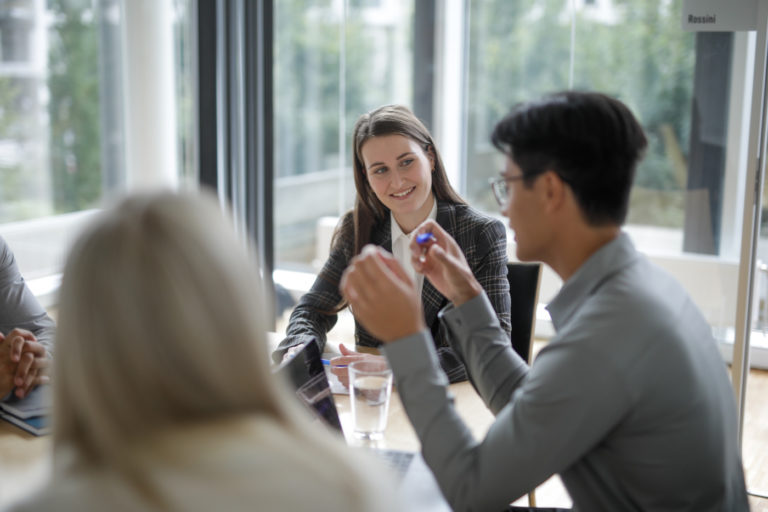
[[524, 280]]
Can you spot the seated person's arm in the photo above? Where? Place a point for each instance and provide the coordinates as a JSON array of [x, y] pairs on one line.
[[446, 267], [316, 312], [340, 365], [533, 435], [544, 428], [28, 331], [312, 318]]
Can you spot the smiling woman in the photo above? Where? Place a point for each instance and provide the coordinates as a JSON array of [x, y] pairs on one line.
[[401, 182]]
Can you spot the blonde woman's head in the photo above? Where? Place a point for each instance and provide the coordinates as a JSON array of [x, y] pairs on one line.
[[159, 324]]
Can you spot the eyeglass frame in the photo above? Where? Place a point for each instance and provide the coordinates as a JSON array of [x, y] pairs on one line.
[[501, 190]]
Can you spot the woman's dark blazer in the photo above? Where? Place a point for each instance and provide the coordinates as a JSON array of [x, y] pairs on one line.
[[484, 243]]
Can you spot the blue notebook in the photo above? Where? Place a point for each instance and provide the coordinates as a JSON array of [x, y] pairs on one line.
[[29, 413]]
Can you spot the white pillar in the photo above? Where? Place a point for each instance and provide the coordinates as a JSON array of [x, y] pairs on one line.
[[150, 100], [450, 105]]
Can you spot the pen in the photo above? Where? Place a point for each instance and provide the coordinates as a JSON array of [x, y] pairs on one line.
[[425, 237], [327, 362], [422, 240]]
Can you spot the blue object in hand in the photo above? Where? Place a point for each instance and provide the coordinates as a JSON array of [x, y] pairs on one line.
[[425, 237], [327, 362]]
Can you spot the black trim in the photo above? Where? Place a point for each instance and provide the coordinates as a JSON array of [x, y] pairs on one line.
[[235, 123], [424, 61], [206, 93], [259, 132]]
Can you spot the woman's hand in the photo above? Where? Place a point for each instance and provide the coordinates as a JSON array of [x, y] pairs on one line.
[[340, 365]]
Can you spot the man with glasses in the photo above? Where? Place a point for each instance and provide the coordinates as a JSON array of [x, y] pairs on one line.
[[629, 402]]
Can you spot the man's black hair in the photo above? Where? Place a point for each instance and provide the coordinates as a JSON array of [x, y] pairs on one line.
[[592, 141]]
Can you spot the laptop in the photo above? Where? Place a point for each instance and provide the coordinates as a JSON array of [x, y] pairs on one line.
[[305, 372]]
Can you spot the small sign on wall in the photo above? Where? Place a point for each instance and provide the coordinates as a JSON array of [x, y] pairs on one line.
[[719, 15]]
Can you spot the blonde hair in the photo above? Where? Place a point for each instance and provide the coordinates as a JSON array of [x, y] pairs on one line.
[[161, 324]]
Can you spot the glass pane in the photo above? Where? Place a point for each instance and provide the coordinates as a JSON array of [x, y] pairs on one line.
[[62, 101], [313, 175], [517, 51], [688, 194], [638, 53], [755, 433], [184, 56]]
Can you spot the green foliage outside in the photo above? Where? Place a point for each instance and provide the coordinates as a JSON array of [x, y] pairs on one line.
[[520, 51], [308, 51], [74, 108], [310, 137], [21, 181]]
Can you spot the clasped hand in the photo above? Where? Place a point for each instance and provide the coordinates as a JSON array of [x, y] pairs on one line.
[[24, 362]]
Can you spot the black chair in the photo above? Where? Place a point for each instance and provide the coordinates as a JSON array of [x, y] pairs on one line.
[[524, 280]]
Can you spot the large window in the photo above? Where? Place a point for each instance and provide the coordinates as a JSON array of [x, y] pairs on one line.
[[634, 50], [689, 90], [26, 188], [73, 97], [332, 62]]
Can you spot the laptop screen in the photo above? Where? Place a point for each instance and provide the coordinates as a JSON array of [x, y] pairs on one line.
[[305, 372]]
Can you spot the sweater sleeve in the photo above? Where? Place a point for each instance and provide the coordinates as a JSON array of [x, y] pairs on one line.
[[18, 306], [533, 436]]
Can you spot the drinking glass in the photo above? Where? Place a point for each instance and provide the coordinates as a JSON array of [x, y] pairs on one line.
[[370, 385]]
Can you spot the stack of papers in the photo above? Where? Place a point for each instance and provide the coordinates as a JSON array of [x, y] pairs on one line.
[[29, 413]]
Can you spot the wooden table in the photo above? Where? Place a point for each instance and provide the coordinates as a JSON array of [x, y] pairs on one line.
[[399, 434], [25, 460]]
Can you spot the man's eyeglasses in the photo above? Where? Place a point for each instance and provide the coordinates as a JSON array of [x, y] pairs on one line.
[[500, 189]]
